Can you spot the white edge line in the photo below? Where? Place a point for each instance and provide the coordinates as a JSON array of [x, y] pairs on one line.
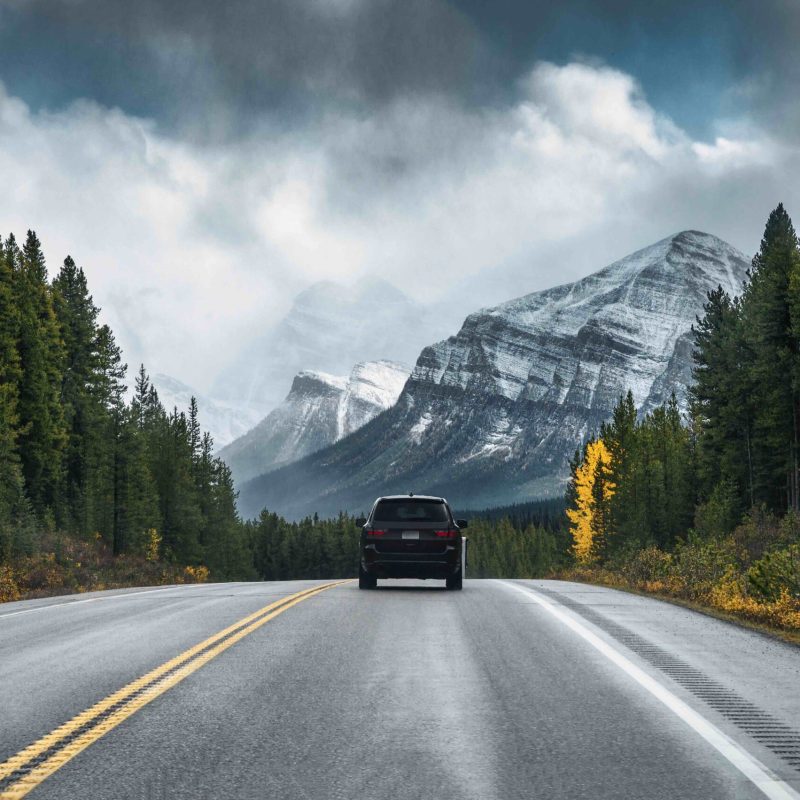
[[103, 597], [747, 764]]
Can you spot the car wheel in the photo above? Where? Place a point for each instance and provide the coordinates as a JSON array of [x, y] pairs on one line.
[[365, 580], [455, 582]]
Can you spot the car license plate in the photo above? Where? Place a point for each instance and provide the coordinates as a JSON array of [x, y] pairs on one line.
[[411, 534]]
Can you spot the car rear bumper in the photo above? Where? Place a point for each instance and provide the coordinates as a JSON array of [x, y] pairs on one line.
[[412, 564]]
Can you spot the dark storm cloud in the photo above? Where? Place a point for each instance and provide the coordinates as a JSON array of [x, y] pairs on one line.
[[170, 59], [767, 60], [219, 65]]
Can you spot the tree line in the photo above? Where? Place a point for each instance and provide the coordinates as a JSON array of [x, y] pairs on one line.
[[327, 548]]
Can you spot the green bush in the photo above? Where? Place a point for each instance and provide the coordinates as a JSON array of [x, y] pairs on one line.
[[761, 531], [777, 572], [701, 564], [647, 566]]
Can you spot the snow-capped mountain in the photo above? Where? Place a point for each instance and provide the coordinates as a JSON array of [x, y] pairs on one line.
[[224, 421], [329, 328], [492, 415], [320, 409]]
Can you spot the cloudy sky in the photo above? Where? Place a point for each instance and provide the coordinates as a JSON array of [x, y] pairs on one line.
[[205, 161]]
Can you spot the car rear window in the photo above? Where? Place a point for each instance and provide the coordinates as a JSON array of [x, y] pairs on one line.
[[411, 511]]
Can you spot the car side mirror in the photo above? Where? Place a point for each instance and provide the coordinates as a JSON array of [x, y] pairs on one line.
[[361, 522], [462, 523]]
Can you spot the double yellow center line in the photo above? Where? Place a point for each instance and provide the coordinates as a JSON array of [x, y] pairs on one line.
[[27, 769]]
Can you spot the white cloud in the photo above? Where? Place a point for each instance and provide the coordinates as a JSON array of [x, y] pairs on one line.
[[191, 248], [602, 106], [726, 153]]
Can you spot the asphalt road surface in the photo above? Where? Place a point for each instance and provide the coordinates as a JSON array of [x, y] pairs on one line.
[[519, 689]]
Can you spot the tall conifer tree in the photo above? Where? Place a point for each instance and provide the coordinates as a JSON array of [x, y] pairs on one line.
[[768, 322], [42, 432]]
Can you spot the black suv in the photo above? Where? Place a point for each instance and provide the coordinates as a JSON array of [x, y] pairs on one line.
[[409, 536]]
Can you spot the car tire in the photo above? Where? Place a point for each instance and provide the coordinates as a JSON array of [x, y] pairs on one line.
[[365, 580], [455, 582]]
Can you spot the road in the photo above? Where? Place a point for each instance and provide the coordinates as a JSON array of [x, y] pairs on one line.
[[518, 689]]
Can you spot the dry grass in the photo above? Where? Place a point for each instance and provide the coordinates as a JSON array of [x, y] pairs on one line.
[[68, 565]]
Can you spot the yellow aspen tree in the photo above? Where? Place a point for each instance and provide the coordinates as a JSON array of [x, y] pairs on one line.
[[593, 491], [152, 545]]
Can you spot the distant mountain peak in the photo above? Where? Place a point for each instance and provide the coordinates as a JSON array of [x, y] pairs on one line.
[[320, 409], [329, 327], [314, 378]]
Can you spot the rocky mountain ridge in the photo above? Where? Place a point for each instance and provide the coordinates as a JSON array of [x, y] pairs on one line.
[[492, 415]]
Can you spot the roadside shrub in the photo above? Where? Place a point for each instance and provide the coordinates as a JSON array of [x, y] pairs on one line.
[[731, 595], [698, 564], [776, 574], [790, 528], [647, 566], [761, 531], [63, 564], [752, 574], [196, 574], [8, 586], [39, 572]]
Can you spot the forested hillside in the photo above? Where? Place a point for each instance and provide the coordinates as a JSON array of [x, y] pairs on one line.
[[709, 508]]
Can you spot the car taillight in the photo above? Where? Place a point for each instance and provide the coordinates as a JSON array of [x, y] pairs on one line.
[[446, 534], [375, 533]]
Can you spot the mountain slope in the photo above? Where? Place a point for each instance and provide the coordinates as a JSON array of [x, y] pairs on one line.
[[493, 414], [329, 328], [320, 409]]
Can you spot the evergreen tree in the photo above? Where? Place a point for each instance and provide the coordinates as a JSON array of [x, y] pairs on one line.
[[679, 473], [12, 497], [84, 416], [108, 401], [619, 436], [10, 366], [195, 434], [767, 317], [172, 469], [723, 400], [141, 392], [42, 433], [137, 510], [136, 504]]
